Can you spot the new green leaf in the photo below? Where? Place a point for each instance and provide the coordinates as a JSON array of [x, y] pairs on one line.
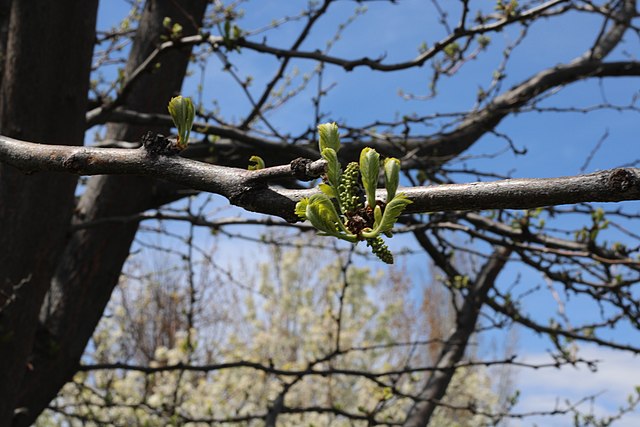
[[333, 166], [301, 208], [369, 169], [391, 213], [391, 176], [182, 112], [328, 190], [258, 163], [323, 215], [329, 137]]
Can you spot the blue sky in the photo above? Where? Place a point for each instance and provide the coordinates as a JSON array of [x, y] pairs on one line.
[[557, 144]]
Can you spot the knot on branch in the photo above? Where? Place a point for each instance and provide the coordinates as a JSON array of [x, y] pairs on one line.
[[306, 169], [621, 180], [77, 162], [157, 144]]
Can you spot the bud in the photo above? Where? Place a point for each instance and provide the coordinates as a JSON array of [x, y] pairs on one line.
[[329, 137], [182, 112]]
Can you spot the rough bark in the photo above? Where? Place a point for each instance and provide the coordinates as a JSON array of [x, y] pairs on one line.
[[91, 263], [5, 13], [43, 97], [249, 189]]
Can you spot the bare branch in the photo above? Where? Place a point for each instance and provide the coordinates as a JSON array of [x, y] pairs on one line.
[[249, 189]]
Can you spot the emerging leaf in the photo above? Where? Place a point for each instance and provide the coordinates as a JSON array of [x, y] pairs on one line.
[[328, 190], [369, 169], [333, 166], [259, 163], [391, 176], [329, 137], [323, 215], [301, 208], [182, 112], [377, 216], [391, 213]]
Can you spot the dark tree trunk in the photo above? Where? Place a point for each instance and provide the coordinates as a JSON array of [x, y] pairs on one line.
[[91, 263], [5, 13], [43, 98]]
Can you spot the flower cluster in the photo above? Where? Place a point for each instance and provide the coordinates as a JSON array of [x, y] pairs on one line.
[[347, 207]]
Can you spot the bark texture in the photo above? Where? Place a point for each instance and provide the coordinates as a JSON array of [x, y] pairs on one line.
[[43, 97], [250, 190], [91, 262]]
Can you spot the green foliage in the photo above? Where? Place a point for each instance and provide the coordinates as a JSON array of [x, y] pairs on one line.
[[333, 166], [183, 113], [483, 41], [391, 213], [258, 163], [329, 137], [391, 176], [508, 8], [230, 34], [322, 214], [452, 49], [370, 169], [174, 29], [340, 211]]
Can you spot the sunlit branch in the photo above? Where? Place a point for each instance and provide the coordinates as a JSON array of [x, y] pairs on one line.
[[249, 189]]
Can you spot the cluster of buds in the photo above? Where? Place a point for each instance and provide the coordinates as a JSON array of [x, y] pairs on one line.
[[348, 196], [347, 207]]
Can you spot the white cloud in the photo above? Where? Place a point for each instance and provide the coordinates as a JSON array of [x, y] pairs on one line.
[[617, 376]]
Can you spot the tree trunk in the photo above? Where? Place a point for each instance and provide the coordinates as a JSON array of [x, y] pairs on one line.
[[5, 13], [91, 263], [43, 98]]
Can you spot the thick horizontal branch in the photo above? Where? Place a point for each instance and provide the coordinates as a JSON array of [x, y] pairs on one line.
[[250, 190], [612, 185]]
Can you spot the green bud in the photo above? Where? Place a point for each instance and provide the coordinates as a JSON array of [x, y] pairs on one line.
[[301, 208], [258, 163], [381, 250], [391, 176], [182, 112], [348, 188], [370, 168], [329, 137]]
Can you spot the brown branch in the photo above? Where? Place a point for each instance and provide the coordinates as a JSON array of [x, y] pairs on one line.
[[249, 189], [97, 115], [453, 350], [257, 107], [377, 65]]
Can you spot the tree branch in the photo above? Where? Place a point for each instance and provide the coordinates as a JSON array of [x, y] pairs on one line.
[[453, 350], [377, 65], [249, 189]]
